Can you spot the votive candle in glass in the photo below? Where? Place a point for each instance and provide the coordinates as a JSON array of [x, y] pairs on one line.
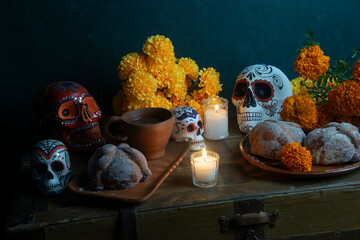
[[216, 118], [204, 167]]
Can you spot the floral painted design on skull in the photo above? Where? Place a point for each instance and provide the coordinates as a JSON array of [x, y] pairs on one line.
[[188, 127], [50, 166], [258, 95], [69, 113]]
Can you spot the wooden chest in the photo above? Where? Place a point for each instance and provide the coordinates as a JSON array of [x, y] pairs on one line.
[[247, 203]]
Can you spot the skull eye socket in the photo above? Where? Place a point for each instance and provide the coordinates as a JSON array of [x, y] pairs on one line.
[[40, 169], [200, 124], [263, 90], [190, 128], [67, 110], [240, 89], [57, 167], [90, 104]]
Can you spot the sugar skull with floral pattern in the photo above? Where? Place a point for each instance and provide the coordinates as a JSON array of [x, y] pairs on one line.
[[188, 127]]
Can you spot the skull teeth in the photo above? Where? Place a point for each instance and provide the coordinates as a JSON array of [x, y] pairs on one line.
[[85, 137], [251, 116]]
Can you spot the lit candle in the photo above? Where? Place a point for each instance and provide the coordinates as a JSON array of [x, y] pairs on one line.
[[216, 122], [204, 167]]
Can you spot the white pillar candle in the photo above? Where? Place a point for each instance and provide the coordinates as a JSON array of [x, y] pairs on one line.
[[204, 168], [216, 118], [216, 123]]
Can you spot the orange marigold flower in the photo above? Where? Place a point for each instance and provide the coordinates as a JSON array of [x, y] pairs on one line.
[[301, 110], [130, 63], [324, 116], [356, 70], [190, 67], [140, 85], [159, 48], [296, 157], [311, 63], [344, 99]]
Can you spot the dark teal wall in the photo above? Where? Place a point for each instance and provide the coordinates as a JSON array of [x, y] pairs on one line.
[[43, 41]]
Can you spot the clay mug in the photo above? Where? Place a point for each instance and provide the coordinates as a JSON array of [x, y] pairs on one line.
[[146, 129]]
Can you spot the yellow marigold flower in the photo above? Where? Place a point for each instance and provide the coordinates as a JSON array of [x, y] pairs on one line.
[[344, 99], [176, 83], [130, 63], [161, 101], [299, 86], [311, 63], [296, 157], [190, 67], [356, 70], [140, 85], [159, 48], [161, 72], [210, 81], [301, 110]]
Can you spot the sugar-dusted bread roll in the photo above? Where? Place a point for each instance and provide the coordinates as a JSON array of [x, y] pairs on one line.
[[334, 143], [121, 167], [268, 137]]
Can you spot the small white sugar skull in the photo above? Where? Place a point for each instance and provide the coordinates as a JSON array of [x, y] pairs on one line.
[[50, 166], [188, 127], [258, 95]]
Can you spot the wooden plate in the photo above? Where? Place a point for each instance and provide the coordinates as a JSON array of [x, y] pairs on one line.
[[317, 170], [161, 168]]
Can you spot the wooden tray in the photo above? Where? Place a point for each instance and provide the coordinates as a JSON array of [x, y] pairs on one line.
[[174, 153], [317, 170]]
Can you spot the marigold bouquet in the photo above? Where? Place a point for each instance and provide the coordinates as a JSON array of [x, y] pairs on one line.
[[158, 79], [331, 89]]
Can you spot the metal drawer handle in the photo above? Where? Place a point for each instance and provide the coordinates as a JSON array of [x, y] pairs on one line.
[[241, 220]]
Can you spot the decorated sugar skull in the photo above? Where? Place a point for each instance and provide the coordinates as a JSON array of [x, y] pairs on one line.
[[66, 111], [50, 166], [188, 127], [258, 95]]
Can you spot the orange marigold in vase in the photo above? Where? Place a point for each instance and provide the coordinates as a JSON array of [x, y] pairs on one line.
[[356, 70], [311, 63], [300, 110], [344, 99], [296, 157]]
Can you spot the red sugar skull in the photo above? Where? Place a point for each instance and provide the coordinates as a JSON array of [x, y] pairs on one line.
[[67, 110]]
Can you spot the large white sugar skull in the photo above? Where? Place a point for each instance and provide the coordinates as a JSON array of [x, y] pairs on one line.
[[50, 166], [188, 127], [258, 95]]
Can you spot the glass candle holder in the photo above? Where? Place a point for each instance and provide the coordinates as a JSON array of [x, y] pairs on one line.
[[216, 118], [204, 168]]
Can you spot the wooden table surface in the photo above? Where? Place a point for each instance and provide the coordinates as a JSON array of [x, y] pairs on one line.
[[238, 180]]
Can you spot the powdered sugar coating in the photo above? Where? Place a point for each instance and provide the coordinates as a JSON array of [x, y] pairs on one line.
[[334, 143], [119, 167], [268, 137]]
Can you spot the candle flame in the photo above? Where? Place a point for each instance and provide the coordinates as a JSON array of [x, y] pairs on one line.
[[204, 154], [216, 108]]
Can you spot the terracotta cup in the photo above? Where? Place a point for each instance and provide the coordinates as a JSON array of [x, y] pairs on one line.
[[146, 129]]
